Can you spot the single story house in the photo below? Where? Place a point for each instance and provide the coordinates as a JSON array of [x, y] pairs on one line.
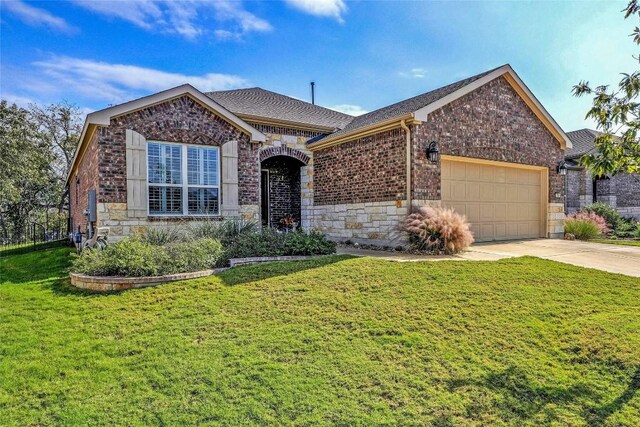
[[484, 146], [621, 191]]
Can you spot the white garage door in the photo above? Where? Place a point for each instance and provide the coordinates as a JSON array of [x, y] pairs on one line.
[[501, 202]]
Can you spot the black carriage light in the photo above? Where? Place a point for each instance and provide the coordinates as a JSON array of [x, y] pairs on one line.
[[433, 153], [562, 168]]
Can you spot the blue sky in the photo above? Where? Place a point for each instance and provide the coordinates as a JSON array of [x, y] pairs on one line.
[[362, 55]]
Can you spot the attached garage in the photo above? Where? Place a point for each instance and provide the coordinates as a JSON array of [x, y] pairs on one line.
[[502, 201]]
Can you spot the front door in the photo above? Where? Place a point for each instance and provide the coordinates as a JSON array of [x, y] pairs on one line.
[[264, 201]]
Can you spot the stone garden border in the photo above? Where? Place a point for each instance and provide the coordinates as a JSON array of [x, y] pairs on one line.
[[120, 283]]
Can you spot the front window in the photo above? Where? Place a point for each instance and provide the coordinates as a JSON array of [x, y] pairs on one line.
[[183, 179]]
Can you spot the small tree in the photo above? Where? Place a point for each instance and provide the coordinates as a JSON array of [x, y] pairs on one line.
[[617, 117], [59, 128]]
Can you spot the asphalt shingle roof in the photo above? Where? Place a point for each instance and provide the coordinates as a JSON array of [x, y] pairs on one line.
[[259, 102], [583, 142], [407, 106]]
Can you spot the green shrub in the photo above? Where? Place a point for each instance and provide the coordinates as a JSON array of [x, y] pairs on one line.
[[265, 242], [135, 257], [626, 228], [581, 228], [195, 255], [303, 243], [225, 231], [159, 236], [130, 256], [607, 212], [268, 242]]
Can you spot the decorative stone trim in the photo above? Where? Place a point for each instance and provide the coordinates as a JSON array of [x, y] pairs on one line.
[[185, 218], [118, 283], [284, 151], [233, 262]]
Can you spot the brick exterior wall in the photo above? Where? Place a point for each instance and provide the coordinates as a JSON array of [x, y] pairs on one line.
[[369, 169], [181, 120], [491, 123], [79, 186]]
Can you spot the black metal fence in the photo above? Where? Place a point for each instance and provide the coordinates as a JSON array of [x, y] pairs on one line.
[[33, 236]]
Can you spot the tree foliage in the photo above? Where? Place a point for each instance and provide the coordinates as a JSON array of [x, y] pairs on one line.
[[36, 148], [617, 116]]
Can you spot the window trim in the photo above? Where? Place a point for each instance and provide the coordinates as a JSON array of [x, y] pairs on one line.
[[184, 175]]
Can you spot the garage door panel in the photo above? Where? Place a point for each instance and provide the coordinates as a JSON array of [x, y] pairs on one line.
[[500, 192], [500, 202], [486, 212], [473, 172], [486, 173], [487, 191], [473, 191]]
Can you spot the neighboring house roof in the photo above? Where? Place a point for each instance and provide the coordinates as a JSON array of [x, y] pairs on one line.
[[583, 142], [103, 117], [419, 107], [258, 103]]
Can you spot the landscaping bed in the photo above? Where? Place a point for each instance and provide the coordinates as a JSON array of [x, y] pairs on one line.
[[158, 254]]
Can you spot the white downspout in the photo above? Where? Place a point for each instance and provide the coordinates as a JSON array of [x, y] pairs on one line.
[[407, 132]]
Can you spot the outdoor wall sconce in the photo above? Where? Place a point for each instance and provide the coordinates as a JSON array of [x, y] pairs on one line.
[[562, 168], [433, 153]]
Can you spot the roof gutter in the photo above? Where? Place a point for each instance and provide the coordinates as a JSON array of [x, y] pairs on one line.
[[372, 129]]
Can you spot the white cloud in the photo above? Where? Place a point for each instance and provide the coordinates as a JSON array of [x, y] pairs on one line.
[[324, 8], [20, 101], [416, 73], [115, 83], [352, 110], [38, 17], [188, 18]]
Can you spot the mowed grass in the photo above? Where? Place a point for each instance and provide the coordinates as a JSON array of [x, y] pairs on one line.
[[334, 341], [617, 242]]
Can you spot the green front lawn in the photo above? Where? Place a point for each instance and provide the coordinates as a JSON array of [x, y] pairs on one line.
[[617, 242], [334, 341]]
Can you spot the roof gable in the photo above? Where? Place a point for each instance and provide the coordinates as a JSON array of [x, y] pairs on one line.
[[103, 117], [419, 107]]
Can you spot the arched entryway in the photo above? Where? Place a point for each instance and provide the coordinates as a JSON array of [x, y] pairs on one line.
[[280, 190]]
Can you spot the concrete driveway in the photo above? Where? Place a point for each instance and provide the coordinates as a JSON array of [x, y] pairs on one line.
[[611, 258]]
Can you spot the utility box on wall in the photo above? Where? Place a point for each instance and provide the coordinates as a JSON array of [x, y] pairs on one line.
[[93, 206]]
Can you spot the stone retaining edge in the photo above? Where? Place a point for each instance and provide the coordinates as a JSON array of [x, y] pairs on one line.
[[119, 283]]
